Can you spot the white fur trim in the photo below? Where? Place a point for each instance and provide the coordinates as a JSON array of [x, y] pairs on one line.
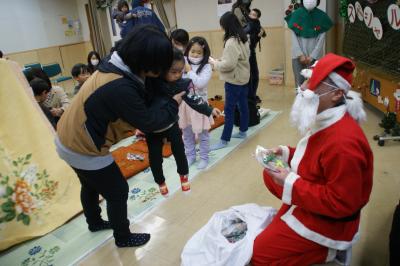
[[307, 73], [288, 188], [331, 255], [324, 120], [308, 94], [285, 153], [300, 228], [299, 153], [340, 81]]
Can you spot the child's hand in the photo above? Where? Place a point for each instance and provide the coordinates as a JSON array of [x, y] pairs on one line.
[[216, 112], [187, 68], [178, 97], [211, 61], [57, 112]]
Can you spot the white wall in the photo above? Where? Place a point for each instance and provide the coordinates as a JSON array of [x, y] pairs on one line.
[[83, 18], [195, 15], [27, 25]]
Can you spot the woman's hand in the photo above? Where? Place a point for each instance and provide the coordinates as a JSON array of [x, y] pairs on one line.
[[302, 59]]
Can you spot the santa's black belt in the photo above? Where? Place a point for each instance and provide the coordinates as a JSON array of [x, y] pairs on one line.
[[343, 219]]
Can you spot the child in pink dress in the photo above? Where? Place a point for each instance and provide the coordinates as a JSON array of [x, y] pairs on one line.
[[192, 122]]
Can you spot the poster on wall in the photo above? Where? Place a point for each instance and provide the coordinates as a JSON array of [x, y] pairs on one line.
[[375, 87], [223, 6]]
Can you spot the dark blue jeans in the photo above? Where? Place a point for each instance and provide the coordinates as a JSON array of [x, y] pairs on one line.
[[235, 95]]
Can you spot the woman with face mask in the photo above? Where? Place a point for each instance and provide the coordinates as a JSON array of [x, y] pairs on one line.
[[309, 25], [93, 61]]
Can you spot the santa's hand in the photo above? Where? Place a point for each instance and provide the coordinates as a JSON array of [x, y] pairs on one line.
[[279, 176], [277, 151]]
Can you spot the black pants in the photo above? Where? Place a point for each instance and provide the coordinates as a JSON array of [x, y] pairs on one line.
[[254, 75], [395, 238], [155, 144], [110, 183]]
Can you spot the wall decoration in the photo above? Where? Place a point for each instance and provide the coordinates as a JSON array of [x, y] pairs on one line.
[[393, 15], [223, 6], [359, 11], [375, 87], [378, 46], [351, 12], [377, 28], [368, 16], [397, 100], [343, 10]]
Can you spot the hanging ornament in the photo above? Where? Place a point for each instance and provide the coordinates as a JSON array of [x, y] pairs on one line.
[[351, 12], [359, 11], [377, 28], [368, 16], [393, 15]]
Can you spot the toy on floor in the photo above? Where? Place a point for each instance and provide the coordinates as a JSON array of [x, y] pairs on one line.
[[269, 160]]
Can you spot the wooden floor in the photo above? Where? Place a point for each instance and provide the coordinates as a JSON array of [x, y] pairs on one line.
[[237, 180]]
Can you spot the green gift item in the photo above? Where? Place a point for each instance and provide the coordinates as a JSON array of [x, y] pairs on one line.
[[274, 162]]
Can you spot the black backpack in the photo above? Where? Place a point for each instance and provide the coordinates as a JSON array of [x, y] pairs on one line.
[[254, 115]]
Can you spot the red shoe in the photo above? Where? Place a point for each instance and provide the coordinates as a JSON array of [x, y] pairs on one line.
[[163, 189], [185, 184]]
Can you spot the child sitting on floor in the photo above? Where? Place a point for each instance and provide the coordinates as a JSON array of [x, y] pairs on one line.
[[166, 88], [80, 72]]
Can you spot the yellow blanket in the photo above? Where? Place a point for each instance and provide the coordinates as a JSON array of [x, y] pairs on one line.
[[38, 191]]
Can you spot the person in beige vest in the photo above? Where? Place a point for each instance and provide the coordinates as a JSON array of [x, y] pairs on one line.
[[234, 68]]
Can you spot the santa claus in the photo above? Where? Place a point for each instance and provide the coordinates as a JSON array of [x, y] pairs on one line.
[[330, 175]]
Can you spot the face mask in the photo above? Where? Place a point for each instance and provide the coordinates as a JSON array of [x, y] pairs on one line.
[[310, 4], [180, 48], [94, 62], [195, 60], [147, 5]]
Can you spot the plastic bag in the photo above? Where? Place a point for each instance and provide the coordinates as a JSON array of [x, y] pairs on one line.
[[270, 160], [210, 247]]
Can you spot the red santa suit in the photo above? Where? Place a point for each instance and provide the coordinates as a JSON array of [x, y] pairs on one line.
[[330, 182]]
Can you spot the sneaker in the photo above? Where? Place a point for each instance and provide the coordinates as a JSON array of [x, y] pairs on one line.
[[133, 240], [104, 225], [220, 145], [163, 189], [191, 160], [202, 164], [185, 184], [240, 135]]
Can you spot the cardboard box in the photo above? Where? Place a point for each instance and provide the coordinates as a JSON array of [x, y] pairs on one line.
[[276, 77]]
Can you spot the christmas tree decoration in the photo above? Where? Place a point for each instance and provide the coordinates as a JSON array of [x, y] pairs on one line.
[[343, 8], [388, 122]]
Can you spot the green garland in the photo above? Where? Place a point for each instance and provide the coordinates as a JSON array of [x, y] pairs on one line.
[[343, 8]]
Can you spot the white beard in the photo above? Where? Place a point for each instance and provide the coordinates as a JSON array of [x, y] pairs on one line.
[[304, 112]]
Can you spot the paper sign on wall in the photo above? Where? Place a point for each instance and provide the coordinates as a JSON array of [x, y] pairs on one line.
[[223, 6], [375, 87]]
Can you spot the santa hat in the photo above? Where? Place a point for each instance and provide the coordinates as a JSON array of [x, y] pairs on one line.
[[340, 70]]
